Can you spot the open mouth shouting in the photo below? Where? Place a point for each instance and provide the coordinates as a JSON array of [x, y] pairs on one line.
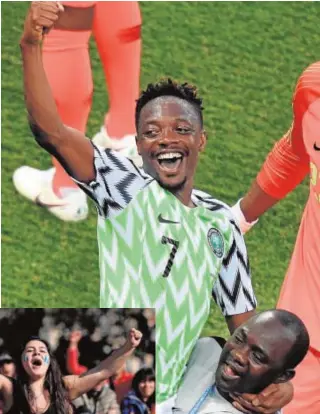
[[36, 362], [170, 161]]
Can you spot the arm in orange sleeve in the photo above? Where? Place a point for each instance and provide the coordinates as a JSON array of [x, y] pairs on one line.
[[285, 166], [288, 163], [73, 365]]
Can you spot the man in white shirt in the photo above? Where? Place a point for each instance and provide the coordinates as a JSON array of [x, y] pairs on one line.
[[262, 351]]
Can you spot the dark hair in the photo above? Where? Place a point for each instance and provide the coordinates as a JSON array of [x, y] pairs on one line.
[[169, 87], [302, 341], [53, 383], [144, 374]]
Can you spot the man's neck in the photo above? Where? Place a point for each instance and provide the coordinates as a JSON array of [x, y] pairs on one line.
[[183, 194]]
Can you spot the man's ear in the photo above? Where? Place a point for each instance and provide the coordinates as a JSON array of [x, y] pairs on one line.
[[203, 140], [286, 376]]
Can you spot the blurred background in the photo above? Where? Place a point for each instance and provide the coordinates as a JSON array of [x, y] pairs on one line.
[[245, 58]]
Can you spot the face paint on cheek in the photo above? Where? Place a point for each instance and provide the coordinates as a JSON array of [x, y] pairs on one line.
[[25, 358], [46, 359]]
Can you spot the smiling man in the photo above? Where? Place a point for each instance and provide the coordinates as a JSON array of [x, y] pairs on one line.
[[162, 244], [253, 358]]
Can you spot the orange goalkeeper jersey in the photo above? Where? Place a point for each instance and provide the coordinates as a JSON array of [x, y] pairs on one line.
[[292, 158]]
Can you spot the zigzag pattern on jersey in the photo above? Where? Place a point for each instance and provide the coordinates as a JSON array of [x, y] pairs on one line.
[[169, 296], [237, 259], [142, 284], [236, 262], [117, 181], [133, 259]]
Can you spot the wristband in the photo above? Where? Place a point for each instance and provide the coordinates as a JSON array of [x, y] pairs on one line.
[[240, 218]]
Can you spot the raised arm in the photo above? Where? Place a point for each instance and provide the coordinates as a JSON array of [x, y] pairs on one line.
[[284, 168], [6, 391], [287, 164], [108, 367], [73, 365], [68, 145]]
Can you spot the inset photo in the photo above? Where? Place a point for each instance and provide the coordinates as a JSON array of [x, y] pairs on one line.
[[77, 361]]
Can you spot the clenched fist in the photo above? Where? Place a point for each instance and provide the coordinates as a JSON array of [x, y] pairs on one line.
[[40, 19], [75, 337]]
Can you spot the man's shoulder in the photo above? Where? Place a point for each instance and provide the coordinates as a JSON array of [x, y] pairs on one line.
[[204, 199], [199, 374], [217, 207], [111, 160], [207, 347]]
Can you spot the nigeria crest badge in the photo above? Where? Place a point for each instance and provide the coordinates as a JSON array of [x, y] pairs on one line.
[[216, 242]]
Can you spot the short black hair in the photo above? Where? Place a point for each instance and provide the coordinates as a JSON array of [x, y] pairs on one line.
[[169, 87], [302, 341]]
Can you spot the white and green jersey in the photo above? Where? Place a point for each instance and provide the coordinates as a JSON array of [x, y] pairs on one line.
[[157, 253]]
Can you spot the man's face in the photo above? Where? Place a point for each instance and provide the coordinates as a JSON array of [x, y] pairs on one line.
[[254, 356], [170, 137], [8, 368]]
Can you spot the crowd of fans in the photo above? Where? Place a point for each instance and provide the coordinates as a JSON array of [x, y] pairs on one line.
[[80, 338]]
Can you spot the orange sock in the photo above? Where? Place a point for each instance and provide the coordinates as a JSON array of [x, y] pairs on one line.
[[117, 31], [67, 65]]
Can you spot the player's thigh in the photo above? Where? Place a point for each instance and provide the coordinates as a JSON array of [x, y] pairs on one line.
[[77, 15], [306, 386]]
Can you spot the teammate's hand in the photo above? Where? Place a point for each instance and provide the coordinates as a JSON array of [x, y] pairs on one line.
[[270, 400], [75, 337], [134, 339], [40, 19]]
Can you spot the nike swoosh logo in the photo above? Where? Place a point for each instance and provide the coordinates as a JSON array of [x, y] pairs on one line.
[[316, 147], [41, 204], [163, 220]]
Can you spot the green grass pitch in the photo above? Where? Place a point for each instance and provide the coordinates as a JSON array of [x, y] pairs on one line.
[[245, 58]]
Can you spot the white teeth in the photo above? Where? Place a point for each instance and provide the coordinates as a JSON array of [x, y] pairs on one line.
[[169, 155]]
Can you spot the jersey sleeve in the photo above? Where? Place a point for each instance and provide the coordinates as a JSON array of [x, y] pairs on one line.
[[233, 291], [288, 162], [117, 181], [285, 166]]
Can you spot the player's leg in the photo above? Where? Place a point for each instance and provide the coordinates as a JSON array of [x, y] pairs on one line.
[[67, 66], [306, 386], [117, 31]]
